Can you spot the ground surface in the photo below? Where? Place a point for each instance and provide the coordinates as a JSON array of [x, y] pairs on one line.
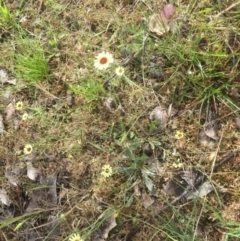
[[175, 109]]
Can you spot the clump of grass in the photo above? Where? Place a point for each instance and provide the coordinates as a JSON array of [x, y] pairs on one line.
[[6, 18], [89, 90], [31, 64]]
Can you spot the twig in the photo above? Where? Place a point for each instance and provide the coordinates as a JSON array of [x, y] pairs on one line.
[[189, 188], [45, 91]]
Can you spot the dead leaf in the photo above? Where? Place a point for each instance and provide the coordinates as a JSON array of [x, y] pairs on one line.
[[1, 124], [154, 165], [191, 179], [190, 176], [22, 200], [159, 23], [69, 98], [53, 224], [44, 196], [110, 103], [160, 113], [137, 191], [5, 79], [13, 174], [171, 111], [4, 197], [103, 232], [32, 172], [201, 191], [147, 201], [146, 174], [211, 127], [16, 123], [208, 134], [238, 123], [174, 187], [10, 110], [3, 76]]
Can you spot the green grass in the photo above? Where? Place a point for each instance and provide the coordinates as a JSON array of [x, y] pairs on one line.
[[31, 64], [89, 89], [6, 17]]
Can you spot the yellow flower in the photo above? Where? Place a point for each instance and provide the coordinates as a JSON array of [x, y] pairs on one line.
[[177, 164], [19, 105], [119, 71], [107, 171], [75, 237], [103, 60], [179, 135], [115, 215], [28, 149], [25, 116]]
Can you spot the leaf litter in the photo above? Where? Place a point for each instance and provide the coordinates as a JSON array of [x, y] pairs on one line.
[[189, 178], [108, 224], [159, 23]]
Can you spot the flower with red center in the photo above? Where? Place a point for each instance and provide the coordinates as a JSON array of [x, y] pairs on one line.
[[103, 60]]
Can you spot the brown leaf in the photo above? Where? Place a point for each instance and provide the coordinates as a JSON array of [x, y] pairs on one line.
[[190, 179], [103, 232], [159, 23], [211, 126], [44, 196], [201, 191], [137, 191], [32, 172], [147, 201], [3, 76], [208, 134], [174, 187], [160, 113], [13, 174], [110, 103], [10, 110], [4, 197], [238, 123], [190, 176], [1, 124]]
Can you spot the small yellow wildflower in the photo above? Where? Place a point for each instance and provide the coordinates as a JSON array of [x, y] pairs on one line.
[[103, 60], [115, 215], [119, 71], [75, 237], [25, 116], [107, 171], [19, 105], [28, 149], [177, 164], [179, 135]]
